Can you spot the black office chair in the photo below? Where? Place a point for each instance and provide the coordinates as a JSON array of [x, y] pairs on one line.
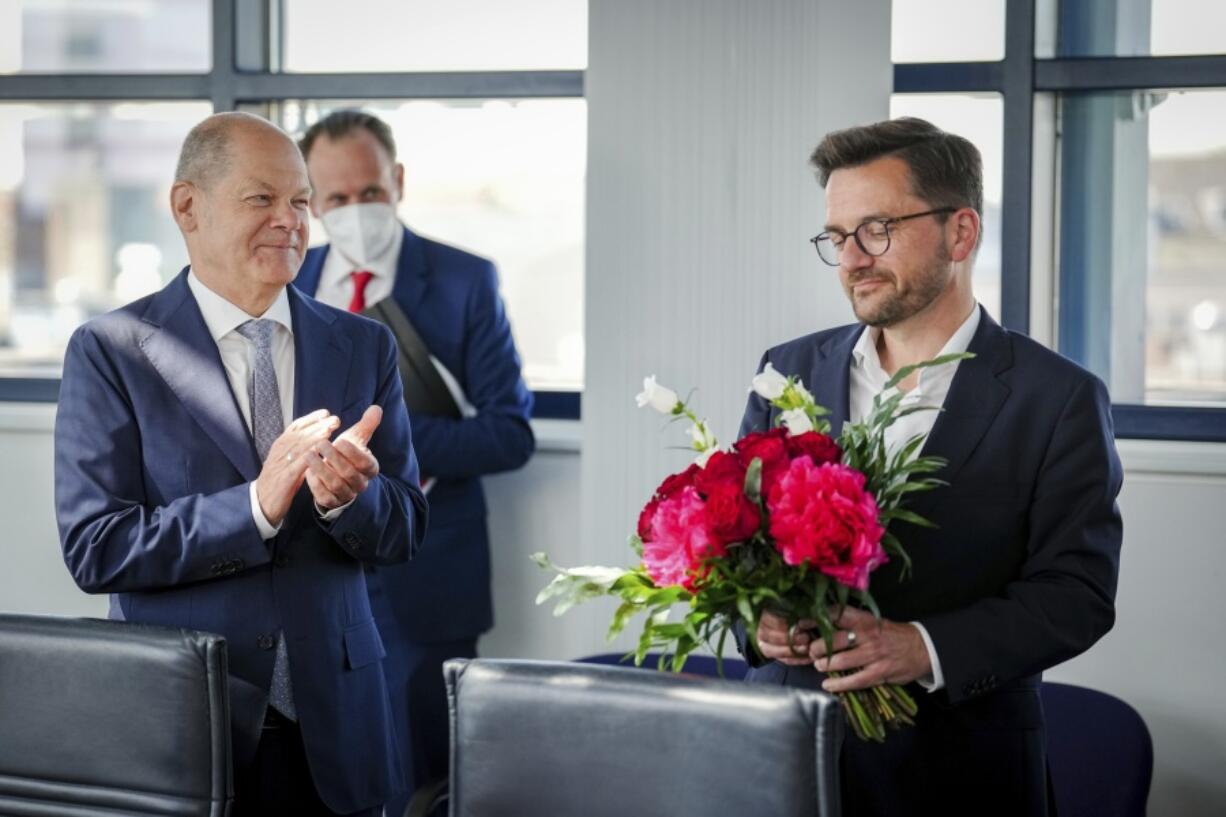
[[734, 669], [1099, 753], [106, 718], [559, 739]]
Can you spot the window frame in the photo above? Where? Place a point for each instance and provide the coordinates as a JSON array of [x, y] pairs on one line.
[[246, 42], [1019, 78]]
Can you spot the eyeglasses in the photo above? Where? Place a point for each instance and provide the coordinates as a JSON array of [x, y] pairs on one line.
[[873, 236]]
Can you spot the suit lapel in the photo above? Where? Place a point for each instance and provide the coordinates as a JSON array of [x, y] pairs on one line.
[[411, 274], [321, 357], [830, 380], [181, 350], [312, 269], [975, 398]]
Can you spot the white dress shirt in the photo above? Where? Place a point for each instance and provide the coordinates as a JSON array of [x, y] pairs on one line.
[[223, 319], [868, 379], [336, 282]]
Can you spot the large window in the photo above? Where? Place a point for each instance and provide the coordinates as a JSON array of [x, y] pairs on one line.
[[1143, 203], [84, 220], [104, 36], [96, 96], [978, 118], [502, 178], [435, 35], [1113, 184]]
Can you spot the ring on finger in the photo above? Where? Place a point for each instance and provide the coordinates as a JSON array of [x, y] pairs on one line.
[[851, 638]]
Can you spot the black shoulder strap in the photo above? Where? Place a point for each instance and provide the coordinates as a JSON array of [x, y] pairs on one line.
[[424, 389]]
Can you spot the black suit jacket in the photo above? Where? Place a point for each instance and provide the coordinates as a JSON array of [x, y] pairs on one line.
[[1019, 576]]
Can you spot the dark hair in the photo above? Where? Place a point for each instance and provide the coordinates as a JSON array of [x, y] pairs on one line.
[[344, 122], [946, 170]]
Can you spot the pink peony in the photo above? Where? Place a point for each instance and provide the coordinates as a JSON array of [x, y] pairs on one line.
[[821, 515], [680, 539]]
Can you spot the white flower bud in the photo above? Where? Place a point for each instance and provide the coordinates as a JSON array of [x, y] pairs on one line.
[[661, 399], [796, 421], [769, 383], [703, 439]]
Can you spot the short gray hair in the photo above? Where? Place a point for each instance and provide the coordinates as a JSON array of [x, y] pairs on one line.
[[206, 150]]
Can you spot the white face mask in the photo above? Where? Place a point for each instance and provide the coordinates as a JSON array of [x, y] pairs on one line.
[[362, 232]]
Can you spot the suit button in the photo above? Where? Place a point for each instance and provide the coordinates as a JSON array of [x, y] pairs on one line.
[[266, 642], [281, 560]]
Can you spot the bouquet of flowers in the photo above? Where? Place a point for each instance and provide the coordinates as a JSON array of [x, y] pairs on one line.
[[787, 520]]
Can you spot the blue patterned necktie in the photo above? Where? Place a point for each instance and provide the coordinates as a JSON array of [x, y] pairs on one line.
[[267, 423]]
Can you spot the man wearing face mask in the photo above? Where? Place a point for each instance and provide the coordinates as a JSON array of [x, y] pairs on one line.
[[469, 407]]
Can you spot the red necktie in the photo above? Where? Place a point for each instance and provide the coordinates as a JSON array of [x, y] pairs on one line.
[[360, 279]]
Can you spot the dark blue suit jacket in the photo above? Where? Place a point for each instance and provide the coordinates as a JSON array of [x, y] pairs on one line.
[[451, 297], [1019, 576], [152, 465]]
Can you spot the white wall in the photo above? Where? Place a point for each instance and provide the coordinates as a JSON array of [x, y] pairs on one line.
[[702, 117]]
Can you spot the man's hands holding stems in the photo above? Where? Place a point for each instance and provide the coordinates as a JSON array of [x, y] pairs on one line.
[[336, 472], [869, 651]]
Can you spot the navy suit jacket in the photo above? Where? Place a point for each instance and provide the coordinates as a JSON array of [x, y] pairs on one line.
[[153, 462], [451, 298], [1021, 572]]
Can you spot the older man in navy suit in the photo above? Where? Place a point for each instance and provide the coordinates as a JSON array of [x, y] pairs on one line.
[[439, 605], [186, 488], [1020, 573]]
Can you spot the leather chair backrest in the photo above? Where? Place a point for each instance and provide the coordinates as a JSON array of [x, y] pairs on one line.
[[559, 739], [104, 718]]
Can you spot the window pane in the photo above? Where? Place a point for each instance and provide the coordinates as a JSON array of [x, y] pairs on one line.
[[1131, 28], [435, 35], [1143, 250], [947, 30], [980, 118], [503, 179], [85, 223], [84, 36]]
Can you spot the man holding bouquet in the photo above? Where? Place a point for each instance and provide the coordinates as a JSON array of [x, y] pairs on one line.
[[1020, 572]]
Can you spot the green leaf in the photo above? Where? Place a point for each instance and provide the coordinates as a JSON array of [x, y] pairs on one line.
[[621, 617], [905, 371], [869, 603], [912, 517], [753, 481]]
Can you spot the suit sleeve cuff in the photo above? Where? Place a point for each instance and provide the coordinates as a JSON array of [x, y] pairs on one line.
[[935, 681], [267, 529], [328, 516]]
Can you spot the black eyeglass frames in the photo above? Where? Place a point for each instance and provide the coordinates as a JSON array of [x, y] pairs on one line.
[[873, 236]]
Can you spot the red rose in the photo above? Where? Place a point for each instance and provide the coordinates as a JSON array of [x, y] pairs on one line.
[[769, 447], [648, 513], [730, 514], [676, 483], [822, 516], [721, 469], [820, 447]]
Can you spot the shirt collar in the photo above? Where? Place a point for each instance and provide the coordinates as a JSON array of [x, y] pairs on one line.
[[223, 317], [337, 267], [865, 350]]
